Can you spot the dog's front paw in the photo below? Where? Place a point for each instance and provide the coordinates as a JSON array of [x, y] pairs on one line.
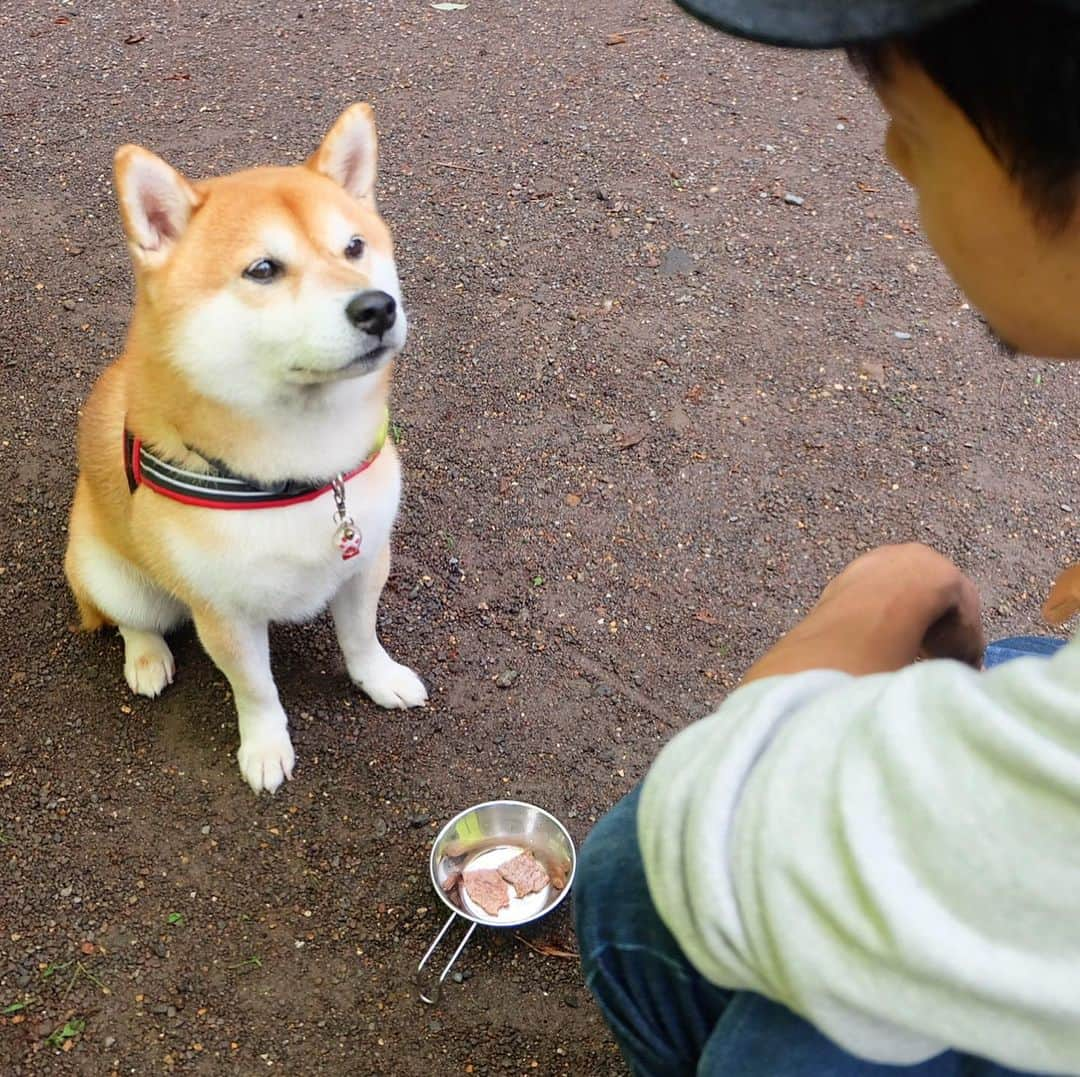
[[266, 759], [389, 683]]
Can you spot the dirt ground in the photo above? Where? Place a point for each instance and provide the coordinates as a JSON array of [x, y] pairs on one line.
[[678, 353]]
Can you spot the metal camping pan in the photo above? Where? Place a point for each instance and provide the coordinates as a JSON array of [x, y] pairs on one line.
[[486, 836]]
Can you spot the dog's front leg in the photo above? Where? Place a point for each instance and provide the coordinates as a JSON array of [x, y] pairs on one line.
[[241, 650], [354, 607]]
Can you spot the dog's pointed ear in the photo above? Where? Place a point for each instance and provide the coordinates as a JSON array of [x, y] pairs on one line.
[[349, 153], [156, 203]]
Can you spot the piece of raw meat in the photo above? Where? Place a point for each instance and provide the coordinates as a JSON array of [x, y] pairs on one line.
[[488, 889], [525, 874], [558, 875]]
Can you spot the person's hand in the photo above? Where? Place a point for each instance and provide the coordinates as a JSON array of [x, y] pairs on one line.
[[958, 633], [922, 583], [886, 609]]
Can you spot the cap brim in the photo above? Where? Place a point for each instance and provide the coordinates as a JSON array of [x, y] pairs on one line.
[[820, 24]]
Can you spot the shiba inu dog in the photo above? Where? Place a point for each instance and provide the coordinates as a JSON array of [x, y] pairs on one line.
[[233, 462]]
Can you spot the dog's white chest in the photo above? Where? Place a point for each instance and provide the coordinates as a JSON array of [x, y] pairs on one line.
[[285, 564]]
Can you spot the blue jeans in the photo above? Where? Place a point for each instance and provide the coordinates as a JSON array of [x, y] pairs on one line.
[[669, 1021]]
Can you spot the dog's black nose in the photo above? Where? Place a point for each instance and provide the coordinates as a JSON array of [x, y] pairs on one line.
[[374, 312]]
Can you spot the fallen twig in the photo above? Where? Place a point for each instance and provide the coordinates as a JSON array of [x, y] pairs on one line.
[[82, 970], [460, 168]]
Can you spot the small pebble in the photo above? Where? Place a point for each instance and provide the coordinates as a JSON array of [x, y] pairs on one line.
[[793, 199]]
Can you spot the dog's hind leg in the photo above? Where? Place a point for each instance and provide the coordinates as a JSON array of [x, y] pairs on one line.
[[142, 612], [148, 663], [354, 607], [90, 617], [109, 589]]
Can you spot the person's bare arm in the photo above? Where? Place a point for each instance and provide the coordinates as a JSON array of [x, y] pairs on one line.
[[887, 608]]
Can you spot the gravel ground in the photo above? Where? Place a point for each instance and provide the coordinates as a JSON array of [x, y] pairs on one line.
[[679, 352]]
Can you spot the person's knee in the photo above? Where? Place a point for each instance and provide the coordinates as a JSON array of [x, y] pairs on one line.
[[609, 876], [655, 1003]]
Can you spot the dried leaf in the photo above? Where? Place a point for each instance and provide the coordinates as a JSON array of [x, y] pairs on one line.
[[547, 950], [621, 36], [706, 618]]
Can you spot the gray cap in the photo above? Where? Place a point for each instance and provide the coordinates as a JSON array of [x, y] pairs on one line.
[[822, 24]]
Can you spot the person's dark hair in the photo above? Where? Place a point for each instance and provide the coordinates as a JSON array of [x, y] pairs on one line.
[[1014, 68]]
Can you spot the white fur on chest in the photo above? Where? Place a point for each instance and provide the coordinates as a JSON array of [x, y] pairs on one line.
[[283, 564]]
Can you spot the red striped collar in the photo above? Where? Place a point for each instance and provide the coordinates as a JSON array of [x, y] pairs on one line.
[[220, 488]]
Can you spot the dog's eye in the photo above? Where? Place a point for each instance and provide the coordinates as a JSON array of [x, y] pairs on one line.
[[264, 270], [354, 248]]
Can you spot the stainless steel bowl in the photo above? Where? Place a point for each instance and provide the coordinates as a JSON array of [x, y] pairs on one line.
[[486, 835]]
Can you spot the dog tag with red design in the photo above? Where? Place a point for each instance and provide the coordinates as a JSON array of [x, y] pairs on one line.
[[348, 540], [347, 535]]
